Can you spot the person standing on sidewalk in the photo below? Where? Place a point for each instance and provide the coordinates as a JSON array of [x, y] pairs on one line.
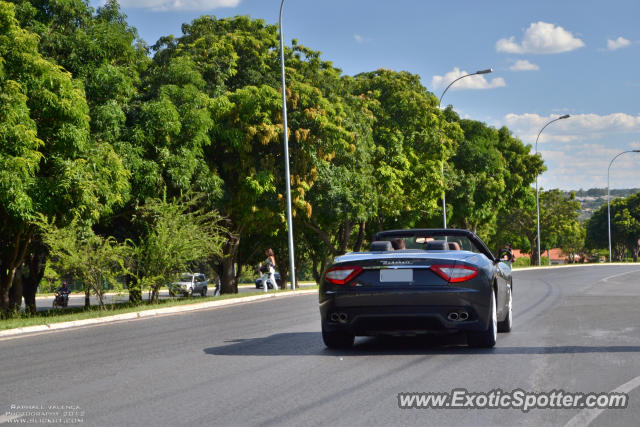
[[268, 269]]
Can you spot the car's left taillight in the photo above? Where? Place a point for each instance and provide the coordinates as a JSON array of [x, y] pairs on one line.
[[342, 275], [453, 273]]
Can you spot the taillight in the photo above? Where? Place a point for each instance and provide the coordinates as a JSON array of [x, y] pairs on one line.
[[342, 275], [455, 273]]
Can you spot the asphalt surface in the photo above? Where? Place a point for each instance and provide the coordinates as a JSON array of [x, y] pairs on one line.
[[264, 363]]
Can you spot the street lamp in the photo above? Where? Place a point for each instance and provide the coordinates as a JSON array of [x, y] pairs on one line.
[[444, 202], [566, 116], [287, 178], [608, 205]]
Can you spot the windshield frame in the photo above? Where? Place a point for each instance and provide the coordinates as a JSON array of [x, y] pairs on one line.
[[437, 232]]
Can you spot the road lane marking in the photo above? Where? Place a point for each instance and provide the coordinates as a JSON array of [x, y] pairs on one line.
[[606, 279], [586, 416]]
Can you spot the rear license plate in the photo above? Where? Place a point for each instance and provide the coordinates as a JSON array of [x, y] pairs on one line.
[[396, 275]]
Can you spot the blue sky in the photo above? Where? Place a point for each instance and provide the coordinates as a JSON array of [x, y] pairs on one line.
[[549, 58]]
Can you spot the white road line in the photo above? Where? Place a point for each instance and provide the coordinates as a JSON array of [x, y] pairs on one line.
[[619, 274], [584, 417]]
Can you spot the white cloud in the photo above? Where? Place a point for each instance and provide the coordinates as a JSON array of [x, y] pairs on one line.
[[585, 166], [577, 150], [541, 37], [477, 81], [173, 5], [618, 43], [358, 38], [577, 127], [524, 65]]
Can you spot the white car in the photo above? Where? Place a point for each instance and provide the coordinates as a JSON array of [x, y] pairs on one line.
[[189, 284]]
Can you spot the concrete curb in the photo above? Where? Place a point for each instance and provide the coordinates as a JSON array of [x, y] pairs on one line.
[[547, 267], [149, 313]]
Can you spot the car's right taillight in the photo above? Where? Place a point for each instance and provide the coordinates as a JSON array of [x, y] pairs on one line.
[[342, 275], [455, 273]]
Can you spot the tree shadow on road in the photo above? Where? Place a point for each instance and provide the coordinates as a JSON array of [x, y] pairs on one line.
[[310, 344]]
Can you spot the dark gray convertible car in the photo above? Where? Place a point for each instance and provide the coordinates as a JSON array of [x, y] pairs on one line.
[[434, 281]]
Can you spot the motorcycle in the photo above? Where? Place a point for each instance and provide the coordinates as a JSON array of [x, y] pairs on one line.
[[61, 299]]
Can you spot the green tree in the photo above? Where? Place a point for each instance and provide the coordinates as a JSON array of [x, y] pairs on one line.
[[488, 176], [571, 240], [95, 260], [558, 213], [104, 56], [48, 166], [625, 227], [412, 141], [177, 234]]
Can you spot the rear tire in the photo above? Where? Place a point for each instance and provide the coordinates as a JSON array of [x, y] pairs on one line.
[[204, 292], [507, 323], [486, 339], [337, 339]]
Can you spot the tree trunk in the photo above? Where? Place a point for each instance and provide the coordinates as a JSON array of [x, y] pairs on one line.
[[228, 283], [37, 262], [316, 269], [87, 298], [345, 236], [135, 290], [534, 251], [15, 292], [358, 246], [7, 274]]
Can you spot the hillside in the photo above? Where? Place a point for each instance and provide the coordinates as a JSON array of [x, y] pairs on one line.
[[593, 198]]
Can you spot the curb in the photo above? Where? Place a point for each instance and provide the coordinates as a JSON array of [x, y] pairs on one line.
[[149, 313], [547, 267]]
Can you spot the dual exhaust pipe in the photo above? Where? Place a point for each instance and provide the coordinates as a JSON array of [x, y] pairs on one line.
[[339, 317], [454, 316]]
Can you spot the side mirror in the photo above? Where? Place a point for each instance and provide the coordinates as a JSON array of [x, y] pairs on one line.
[[505, 255]]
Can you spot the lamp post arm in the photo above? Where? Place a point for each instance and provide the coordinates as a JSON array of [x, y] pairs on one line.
[[451, 84]]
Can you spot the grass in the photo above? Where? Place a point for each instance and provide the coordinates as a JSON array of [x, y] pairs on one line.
[[79, 313]]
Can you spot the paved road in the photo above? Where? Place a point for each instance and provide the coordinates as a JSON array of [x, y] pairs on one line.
[[576, 329]]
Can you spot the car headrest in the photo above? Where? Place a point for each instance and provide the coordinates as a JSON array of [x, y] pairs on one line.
[[454, 246], [436, 245], [381, 246]]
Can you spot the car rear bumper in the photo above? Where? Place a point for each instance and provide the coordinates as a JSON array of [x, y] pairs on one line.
[[377, 313]]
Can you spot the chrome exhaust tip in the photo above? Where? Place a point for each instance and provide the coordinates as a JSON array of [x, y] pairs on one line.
[[463, 315], [334, 317], [453, 316], [342, 317]]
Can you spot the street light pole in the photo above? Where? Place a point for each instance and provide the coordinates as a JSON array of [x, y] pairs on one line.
[[444, 201], [566, 116], [608, 204], [287, 178]]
